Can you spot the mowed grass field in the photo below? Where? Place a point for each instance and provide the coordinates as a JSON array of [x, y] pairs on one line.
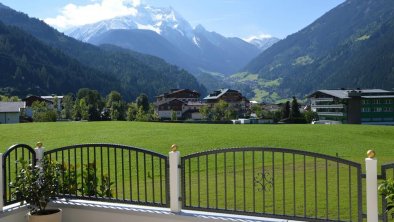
[[349, 141]]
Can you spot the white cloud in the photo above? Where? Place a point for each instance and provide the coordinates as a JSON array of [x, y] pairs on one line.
[[261, 36], [73, 15]]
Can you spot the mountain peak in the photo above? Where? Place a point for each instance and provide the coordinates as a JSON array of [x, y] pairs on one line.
[[4, 6], [147, 17], [200, 28]]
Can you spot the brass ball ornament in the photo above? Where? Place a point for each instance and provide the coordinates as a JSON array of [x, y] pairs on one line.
[[371, 154], [39, 144], [174, 147]]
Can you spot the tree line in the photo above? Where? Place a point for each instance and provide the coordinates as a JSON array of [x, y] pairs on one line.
[[89, 105], [289, 113]]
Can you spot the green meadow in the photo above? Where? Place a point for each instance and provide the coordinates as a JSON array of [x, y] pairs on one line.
[[351, 142]]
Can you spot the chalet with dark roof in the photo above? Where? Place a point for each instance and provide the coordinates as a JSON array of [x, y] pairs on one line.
[[184, 102], [233, 97]]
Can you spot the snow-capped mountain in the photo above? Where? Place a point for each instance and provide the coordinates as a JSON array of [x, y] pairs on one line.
[[147, 18], [262, 42], [165, 33]]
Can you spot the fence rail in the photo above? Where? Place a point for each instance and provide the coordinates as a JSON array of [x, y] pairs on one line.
[[11, 168], [115, 173], [273, 182]]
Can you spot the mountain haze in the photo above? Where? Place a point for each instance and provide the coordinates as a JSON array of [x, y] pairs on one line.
[[351, 46], [171, 38], [135, 73]]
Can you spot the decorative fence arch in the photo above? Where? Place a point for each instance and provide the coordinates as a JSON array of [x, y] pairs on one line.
[[14, 154], [273, 182], [114, 173], [269, 182]]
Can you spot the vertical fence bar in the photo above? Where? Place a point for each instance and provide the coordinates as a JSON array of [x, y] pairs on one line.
[[326, 189], [69, 172], [350, 193], [123, 190], [2, 183], [95, 169], [216, 179], [9, 178], [273, 182], [75, 169], [243, 168], [254, 184], [190, 182], [384, 202], [263, 175], [116, 175], [235, 183], [315, 187], [283, 184], [198, 181], [338, 195], [206, 178], [138, 176], [225, 181], [145, 185], [304, 187], [81, 169], [294, 185], [153, 179], [131, 178]]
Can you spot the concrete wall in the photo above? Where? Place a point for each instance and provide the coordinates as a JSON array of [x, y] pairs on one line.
[[85, 211], [9, 118], [13, 215]]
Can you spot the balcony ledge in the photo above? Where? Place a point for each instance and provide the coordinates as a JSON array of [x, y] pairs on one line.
[[81, 210]]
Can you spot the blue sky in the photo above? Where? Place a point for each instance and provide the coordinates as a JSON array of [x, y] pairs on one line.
[[240, 18]]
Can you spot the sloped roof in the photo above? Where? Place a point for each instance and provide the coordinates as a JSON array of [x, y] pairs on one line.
[[344, 93], [11, 107], [175, 91], [219, 93]]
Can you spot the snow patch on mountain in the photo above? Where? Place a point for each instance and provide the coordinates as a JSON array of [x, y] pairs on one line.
[[147, 17], [262, 41]]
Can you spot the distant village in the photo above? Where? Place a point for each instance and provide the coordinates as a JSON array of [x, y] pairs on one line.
[[353, 106]]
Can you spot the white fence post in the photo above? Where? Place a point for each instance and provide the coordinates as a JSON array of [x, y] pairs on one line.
[[39, 152], [372, 187], [1, 183], [175, 180]]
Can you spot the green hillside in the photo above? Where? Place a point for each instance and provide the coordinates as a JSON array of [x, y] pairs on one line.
[[134, 72], [28, 66], [348, 47]]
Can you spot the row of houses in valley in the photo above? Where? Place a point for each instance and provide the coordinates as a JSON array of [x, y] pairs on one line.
[[186, 103], [16, 112]]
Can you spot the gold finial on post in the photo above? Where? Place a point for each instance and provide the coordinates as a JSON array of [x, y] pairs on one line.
[[174, 147], [371, 154], [39, 144]]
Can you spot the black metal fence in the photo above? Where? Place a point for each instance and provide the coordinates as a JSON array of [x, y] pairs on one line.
[[387, 171], [272, 182], [11, 168], [115, 173]]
